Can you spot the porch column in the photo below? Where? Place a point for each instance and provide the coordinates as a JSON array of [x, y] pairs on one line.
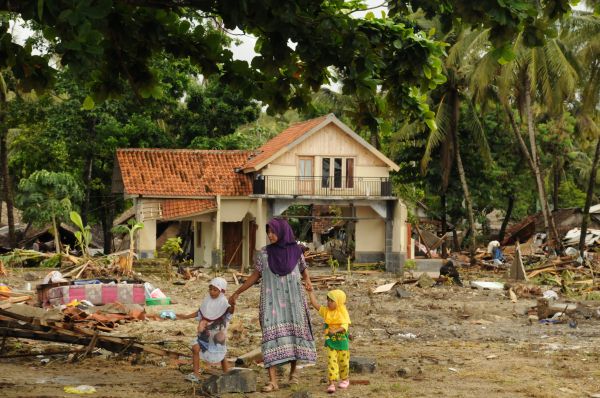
[[261, 236], [393, 236], [217, 254], [245, 242], [147, 239], [197, 229]]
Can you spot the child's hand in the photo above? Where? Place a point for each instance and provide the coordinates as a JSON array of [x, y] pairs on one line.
[[232, 299]]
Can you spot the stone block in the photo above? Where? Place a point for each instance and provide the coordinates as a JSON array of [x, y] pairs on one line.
[[401, 293], [237, 380], [362, 365]]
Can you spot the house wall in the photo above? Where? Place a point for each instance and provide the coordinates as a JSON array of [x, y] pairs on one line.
[[230, 210], [329, 142], [203, 225], [370, 236], [147, 211], [233, 210]]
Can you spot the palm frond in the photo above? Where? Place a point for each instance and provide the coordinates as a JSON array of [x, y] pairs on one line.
[[435, 137], [476, 128]]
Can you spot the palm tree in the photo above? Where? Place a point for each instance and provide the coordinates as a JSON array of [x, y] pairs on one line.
[[6, 180], [546, 75], [464, 52], [585, 38]]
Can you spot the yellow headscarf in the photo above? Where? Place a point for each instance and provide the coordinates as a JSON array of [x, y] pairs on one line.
[[340, 315]]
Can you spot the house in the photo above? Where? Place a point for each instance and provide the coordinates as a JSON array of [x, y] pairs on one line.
[[228, 196]]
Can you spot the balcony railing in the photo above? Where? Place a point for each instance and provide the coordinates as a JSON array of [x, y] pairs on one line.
[[322, 186]]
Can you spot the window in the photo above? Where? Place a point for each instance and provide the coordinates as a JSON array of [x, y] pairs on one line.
[[338, 176], [337, 172], [325, 171]]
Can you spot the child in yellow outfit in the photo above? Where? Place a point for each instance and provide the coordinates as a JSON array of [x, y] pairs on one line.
[[337, 321]]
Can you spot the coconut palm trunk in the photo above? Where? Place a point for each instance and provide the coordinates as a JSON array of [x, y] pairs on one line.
[[509, 209], [588, 199], [56, 235], [6, 183], [539, 179], [455, 101]]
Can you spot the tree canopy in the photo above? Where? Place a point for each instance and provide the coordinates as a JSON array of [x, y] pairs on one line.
[[104, 42]]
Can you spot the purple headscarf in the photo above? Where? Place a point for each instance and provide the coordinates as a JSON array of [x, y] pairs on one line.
[[284, 254]]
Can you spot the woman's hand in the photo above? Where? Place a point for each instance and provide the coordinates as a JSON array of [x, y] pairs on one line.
[[233, 298], [308, 285]]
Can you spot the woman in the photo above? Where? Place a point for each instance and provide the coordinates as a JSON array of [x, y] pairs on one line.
[[284, 316]]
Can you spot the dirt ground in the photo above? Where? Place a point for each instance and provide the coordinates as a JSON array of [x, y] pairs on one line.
[[443, 341]]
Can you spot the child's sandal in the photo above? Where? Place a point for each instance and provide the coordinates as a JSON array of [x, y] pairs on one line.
[[270, 387], [344, 384], [331, 389]]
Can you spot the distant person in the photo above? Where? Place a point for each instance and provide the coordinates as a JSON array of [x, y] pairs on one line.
[[213, 316], [284, 315], [449, 270], [337, 321]]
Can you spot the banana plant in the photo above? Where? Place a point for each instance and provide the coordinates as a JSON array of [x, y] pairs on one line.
[[84, 235], [132, 227]]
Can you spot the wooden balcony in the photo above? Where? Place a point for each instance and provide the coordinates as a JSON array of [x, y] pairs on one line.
[[296, 186]]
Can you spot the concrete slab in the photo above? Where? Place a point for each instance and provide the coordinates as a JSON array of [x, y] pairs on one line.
[[429, 264]]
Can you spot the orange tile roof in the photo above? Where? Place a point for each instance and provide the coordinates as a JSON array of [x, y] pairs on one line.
[[183, 172], [281, 140], [178, 208]]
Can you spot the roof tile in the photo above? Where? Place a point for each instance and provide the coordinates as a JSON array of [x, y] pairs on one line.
[[183, 172], [281, 140], [178, 208]]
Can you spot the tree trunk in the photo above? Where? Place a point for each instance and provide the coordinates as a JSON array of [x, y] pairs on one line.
[[548, 219], [509, 209], [461, 171], [87, 181], [556, 170], [588, 198], [107, 220], [374, 138], [56, 236], [7, 189], [444, 224]]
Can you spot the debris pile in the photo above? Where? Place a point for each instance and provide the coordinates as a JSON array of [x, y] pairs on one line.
[[74, 326]]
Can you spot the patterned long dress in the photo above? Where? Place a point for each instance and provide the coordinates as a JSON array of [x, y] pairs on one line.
[[284, 315]]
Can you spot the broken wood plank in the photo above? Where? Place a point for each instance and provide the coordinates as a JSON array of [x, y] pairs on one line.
[[62, 332], [384, 288], [253, 356], [34, 354], [15, 300]]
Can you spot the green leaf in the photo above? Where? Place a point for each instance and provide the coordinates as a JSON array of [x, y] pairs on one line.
[[88, 103], [427, 71], [76, 219], [431, 124]]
